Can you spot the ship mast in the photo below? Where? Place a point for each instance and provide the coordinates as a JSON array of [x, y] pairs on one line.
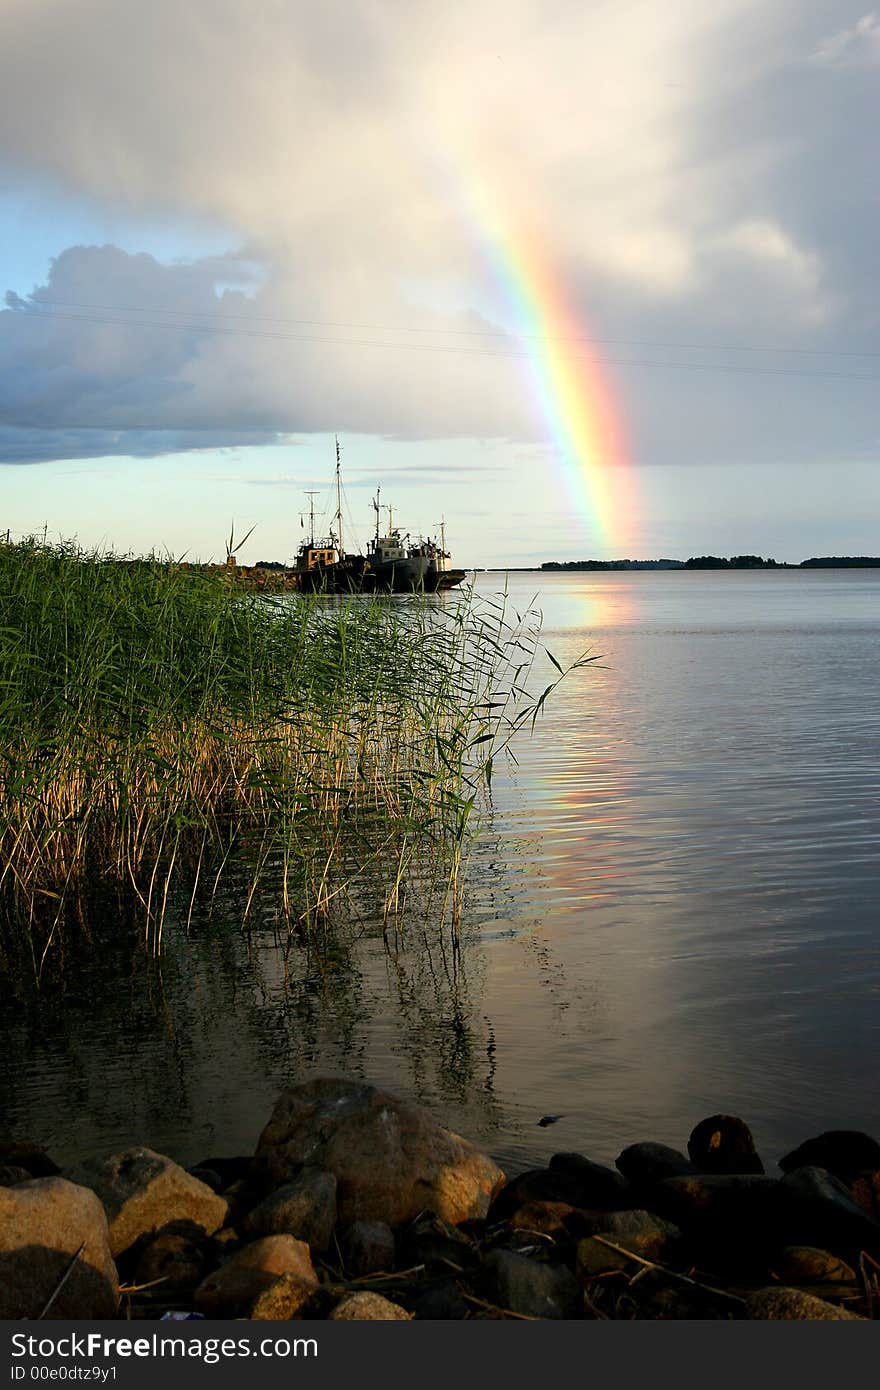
[[338, 500], [376, 509], [311, 496]]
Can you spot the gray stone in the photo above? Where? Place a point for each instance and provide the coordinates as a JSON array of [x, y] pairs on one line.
[[724, 1144], [530, 1287], [597, 1186], [649, 1163], [368, 1307], [793, 1304], [142, 1191], [820, 1211], [304, 1207], [10, 1176], [22, 1153], [843, 1152], [390, 1158], [443, 1302], [367, 1248], [43, 1223]]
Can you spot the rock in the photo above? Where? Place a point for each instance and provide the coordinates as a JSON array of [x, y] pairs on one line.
[[864, 1189], [597, 1186], [21, 1153], [637, 1231], [208, 1176], [178, 1257], [143, 1191], [305, 1208], [226, 1170], [724, 1144], [530, 1287], [574, 1181], [10, 1176], [730, 1220], [646, 1164], [555, 1219], [282, 1300], [232, 1290], [443, 1301], [804, 1264], [593, 1259], [780, 1303], [43, 1223], [390, 1158], [843, 1152], [368, 1307], [820, 1211], [367, 1248], [432, 1242]]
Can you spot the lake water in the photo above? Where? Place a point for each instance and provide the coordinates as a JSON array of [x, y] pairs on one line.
[[673, 912]]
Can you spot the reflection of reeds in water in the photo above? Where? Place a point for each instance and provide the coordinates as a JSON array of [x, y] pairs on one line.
[[159, 726]]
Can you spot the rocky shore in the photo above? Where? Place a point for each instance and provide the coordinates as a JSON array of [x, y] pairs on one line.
[[358, 1205]]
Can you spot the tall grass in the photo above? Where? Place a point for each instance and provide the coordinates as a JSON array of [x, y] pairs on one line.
[[160, 729]]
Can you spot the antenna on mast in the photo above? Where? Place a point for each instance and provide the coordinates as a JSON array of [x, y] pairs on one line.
[[311, 496], [338, 499]]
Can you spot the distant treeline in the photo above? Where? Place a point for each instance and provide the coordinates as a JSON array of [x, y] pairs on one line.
[[719, 562]]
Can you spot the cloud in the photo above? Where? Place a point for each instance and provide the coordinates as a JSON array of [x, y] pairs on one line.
[[858, 47], [117, 350], [397, 181]]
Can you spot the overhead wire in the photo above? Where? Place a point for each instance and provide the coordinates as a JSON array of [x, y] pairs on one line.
[[458, 349]]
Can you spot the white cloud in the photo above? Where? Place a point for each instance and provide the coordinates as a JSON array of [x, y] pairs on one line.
[[858, 47]]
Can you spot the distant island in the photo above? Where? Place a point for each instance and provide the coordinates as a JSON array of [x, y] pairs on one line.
[[718, 562]]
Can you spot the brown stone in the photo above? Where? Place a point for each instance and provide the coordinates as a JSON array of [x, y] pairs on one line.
[[390, 1158], [794, 1305], [282, 1300], [143, 1191], [175, 1258], [368, 1307], [43, 1223], [804, 1264], [231, 1290]]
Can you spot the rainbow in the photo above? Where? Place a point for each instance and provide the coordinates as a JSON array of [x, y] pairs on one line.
[[573, 394]]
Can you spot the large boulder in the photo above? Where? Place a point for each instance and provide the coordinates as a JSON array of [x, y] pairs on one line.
[[390, 1158], [43, 1224], [143, 1191]]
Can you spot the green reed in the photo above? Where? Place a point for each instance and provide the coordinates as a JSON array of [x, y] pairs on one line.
[[161, 727]]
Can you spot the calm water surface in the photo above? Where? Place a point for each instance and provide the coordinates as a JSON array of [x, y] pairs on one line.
[[674, 911]]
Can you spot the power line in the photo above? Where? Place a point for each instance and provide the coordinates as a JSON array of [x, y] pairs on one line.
[[459, 332], [457, 349]]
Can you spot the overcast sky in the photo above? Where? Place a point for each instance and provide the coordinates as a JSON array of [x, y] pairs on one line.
[[229, 231]]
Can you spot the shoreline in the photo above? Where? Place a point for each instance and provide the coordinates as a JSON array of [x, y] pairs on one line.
[[358, 1205]]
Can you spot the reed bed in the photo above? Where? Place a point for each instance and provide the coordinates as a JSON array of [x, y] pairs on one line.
[[161, 730]]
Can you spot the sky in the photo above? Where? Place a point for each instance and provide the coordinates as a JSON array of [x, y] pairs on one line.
[[589, 279]]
